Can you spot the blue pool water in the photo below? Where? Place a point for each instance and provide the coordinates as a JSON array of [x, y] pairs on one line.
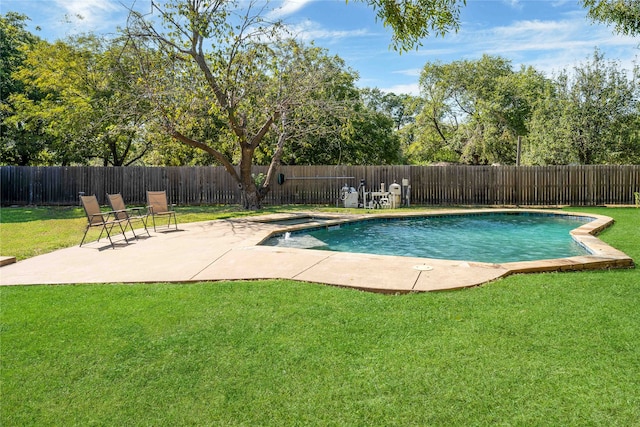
[[493, 238]]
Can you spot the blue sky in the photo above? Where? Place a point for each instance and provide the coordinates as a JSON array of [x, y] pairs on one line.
[[550, 35]]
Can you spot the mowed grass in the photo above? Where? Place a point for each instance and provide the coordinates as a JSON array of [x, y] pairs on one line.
[[547, 349]]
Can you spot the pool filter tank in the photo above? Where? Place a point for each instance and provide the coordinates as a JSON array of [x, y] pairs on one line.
[[395, 195], [349, 196]]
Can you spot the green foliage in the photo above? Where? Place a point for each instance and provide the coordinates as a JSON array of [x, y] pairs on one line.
[[216, 82], [14, 42], [80, 103], [623, 14], [352, 134], [169, 152], [588, 117], [475, 110], [414, 20], [17, 145], [402, 109], [369, 139], [318, 127], [249, 95]]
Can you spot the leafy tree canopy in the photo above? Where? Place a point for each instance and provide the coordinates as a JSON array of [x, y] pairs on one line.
[[17, 146], [84, 101], [623, 14], [413, 20]]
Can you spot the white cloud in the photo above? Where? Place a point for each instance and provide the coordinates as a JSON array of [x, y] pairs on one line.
[[83, 6], [288, 7], [513, 3], [309, 30], [411, 72], [410, 89], [564, 50], [91, 11], [529, 27], [560, 3], [91, 15], [547, 45], [550, 45]]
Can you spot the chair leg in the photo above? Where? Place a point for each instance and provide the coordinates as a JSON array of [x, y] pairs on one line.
[[153, 220], [131, 227], [108, 231], [85, 235], [124, 231], [101, 230], [144, 223]]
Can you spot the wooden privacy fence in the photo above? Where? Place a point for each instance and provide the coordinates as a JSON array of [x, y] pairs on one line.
[[430, 185]]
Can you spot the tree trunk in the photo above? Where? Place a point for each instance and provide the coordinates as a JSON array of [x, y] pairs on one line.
[[250, 195], [250, 199]]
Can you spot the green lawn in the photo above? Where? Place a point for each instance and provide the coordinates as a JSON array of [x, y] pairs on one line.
[[555, 349]]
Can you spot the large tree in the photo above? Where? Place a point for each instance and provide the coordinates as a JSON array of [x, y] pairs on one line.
[[87, 105], [474, 110], [367, 131], [402, 109], [18, 144], [262, 85], [590, 116]]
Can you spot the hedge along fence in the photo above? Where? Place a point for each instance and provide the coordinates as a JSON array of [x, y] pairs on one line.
[[430, 185]]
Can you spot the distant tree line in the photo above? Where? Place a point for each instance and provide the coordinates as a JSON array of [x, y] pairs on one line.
[[475, 111], [148, 97]]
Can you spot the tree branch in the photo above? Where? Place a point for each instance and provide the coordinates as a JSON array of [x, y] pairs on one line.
[[277, 155], [215, 153]]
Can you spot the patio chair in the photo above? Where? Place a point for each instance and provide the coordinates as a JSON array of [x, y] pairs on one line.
[[106, 220], [157, 206], [121, 212]]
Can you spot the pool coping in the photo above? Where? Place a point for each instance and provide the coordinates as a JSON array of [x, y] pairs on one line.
[[229, 249]]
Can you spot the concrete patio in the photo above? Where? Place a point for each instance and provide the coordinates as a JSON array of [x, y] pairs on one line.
[[228, 250]]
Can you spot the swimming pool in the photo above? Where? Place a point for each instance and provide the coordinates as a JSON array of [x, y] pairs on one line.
[[484, 237]]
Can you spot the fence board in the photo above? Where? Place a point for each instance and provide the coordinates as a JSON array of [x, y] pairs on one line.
[[430, 185]]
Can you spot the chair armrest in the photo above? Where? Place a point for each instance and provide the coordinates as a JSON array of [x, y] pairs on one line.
[[137, 209], [100, 215], [110, 214]]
